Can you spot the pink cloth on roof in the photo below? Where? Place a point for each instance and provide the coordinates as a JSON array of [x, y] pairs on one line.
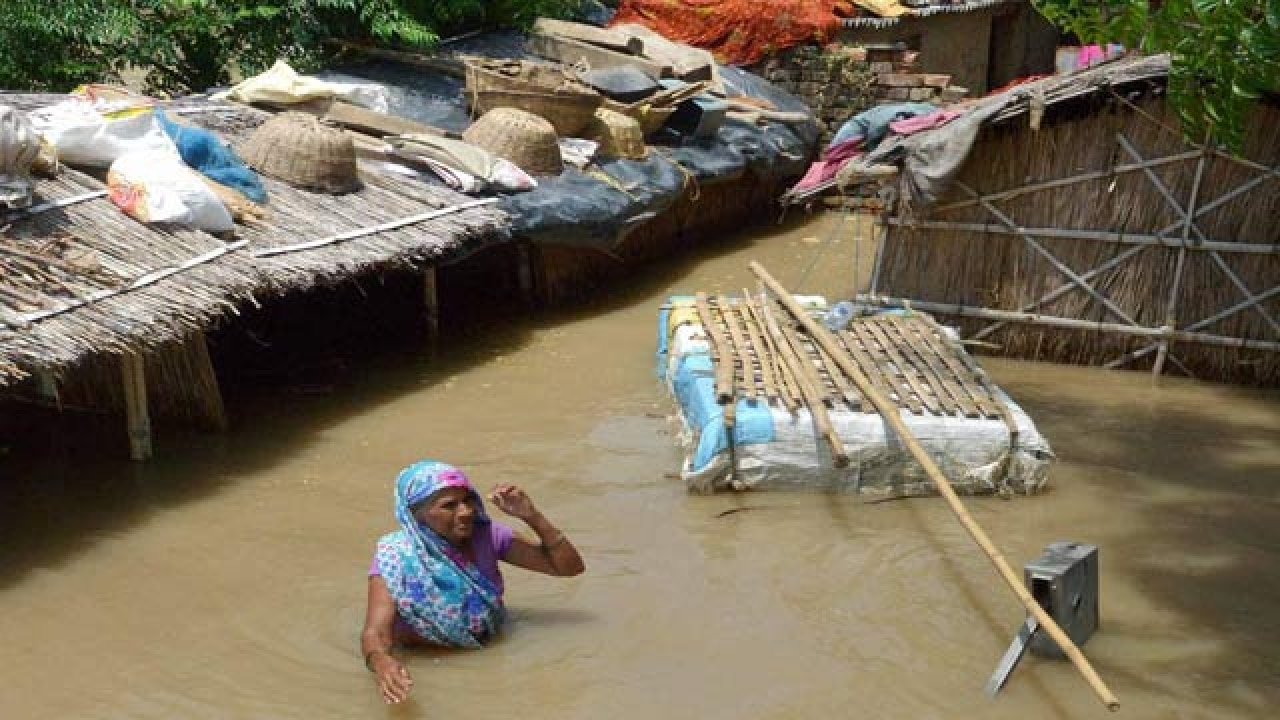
[[834, 158], [1088, 55], [912, 125], [488, 549]]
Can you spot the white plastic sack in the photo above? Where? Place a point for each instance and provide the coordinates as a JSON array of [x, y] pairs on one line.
[[90, 134], [283, 85], [160, 188]]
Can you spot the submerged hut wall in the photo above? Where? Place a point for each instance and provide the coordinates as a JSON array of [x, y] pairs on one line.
[[1105, 216], [564, 273]]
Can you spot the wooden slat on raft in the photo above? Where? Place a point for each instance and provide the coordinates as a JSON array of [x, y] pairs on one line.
[[906, 368], [742, 351], [761, 350], [786, 384], [955, 399], [812, 395]]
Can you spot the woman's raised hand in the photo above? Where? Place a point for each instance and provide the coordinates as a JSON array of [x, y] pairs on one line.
[[512, 500]]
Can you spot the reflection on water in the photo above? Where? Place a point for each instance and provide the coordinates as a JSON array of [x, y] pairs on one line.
[[226, 578]]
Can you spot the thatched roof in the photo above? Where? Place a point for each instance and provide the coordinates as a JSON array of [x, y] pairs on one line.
[[84, 278], [949, 8]]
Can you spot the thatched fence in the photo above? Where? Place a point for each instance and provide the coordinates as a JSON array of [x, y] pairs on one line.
[[1103, 237]]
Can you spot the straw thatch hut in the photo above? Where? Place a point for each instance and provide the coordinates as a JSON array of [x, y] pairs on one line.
[[1081, 226], [100, 312]]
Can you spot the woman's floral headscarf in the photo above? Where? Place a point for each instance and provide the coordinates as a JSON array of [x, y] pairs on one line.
[[440, 594]]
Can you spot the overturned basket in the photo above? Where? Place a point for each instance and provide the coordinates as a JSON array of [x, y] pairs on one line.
[[619, 135], [305, 152], [525, 139], [539, 89], [651, 117]]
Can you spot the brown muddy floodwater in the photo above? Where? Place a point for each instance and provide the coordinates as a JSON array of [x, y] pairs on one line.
[[226, 579]]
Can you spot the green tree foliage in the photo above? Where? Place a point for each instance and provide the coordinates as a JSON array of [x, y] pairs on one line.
[[1225, 53], [190, 45]]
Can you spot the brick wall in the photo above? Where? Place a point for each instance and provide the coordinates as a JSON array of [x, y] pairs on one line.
[[840, 81]]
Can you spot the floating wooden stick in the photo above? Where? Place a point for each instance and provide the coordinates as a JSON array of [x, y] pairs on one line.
[[891, 416]]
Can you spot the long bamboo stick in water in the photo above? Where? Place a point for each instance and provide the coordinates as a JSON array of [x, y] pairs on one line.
[[889, 412]]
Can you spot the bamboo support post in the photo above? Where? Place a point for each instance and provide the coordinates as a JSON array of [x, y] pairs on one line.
[[891, 416], [431, 304], [205, 382], [135, 406]]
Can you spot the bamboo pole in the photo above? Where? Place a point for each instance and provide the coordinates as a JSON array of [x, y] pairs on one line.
[[720, 348], [803, 372], [1121, 238], [891, 416], [1074, 324], [431, 304], [135, 405]]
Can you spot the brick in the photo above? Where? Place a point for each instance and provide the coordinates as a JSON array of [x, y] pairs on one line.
[[881, 68], [898, 93], [922, 93], [936, 80], [954, 93], [900, 80]]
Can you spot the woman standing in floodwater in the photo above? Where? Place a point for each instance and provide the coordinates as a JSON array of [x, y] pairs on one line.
[[436, 580]]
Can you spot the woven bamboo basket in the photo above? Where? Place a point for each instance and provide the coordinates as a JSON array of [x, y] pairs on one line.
[[525, 139], [305, 152], [651, 117], [619, 135], [543, 90]]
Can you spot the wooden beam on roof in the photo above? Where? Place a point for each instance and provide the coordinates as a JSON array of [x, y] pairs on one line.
[[573, 52], [604, 37]]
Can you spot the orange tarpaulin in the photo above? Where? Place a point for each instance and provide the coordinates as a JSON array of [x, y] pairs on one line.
[[737, 32]]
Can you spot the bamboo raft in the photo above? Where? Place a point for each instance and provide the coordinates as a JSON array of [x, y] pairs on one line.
[[810, 423], [910, 359]]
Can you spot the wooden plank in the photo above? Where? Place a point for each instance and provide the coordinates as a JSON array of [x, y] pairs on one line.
[[604, 37], [685, 62], [575, 53], [377, 123], [915, 333], [906, 368], [720, 351]]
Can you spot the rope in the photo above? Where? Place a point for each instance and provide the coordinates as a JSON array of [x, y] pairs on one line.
[[689, 178], [611, 181], [817, 253]]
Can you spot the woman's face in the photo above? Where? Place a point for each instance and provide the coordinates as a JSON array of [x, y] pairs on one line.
[[451, 512]]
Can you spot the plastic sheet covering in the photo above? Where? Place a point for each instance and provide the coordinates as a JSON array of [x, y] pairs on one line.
[[594, 207], [975, 454]]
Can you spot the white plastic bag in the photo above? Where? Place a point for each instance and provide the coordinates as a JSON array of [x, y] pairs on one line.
[[90, 135], [160, 188], [283, 85]]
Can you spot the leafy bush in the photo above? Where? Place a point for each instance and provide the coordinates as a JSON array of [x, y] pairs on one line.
[[1226, 53], [191, 45]]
